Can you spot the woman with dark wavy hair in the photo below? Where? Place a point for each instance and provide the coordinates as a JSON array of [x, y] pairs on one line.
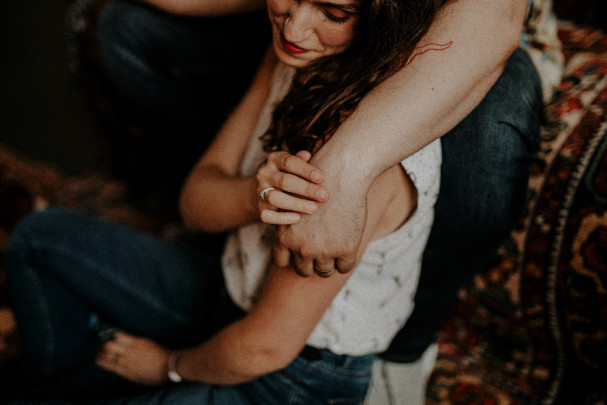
[[283, 339], [327, 91]]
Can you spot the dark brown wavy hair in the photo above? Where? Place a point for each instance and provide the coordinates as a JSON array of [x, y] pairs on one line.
[[325, 93]]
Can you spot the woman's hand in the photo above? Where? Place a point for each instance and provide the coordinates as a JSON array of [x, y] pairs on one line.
[[137, 359], [292, 188]]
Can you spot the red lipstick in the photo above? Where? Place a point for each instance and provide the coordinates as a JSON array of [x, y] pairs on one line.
[[291, 47]]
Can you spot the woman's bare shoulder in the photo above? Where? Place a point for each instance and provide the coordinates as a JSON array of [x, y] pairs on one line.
[[391, 201]]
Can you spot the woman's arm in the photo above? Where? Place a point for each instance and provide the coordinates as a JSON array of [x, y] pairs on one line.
[[472, 41], [276, 329], [206, 8], [290, 305], [267, 339], [271, 335], [214, 198]]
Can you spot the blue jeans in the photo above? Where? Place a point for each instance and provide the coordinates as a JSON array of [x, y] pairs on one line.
[[69, 272], [485, 158]]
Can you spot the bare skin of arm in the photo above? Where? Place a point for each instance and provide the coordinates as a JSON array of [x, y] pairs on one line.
[[288, 305], [214, 198], [206, 8], [422, 102]]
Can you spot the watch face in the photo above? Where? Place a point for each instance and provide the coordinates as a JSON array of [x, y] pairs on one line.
[[172, 366], [174, 376]]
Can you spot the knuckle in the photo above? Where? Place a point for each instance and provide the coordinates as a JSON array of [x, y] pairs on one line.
[[264, 216], [263, 175], [307, 251], [311, 189], [269, 197], [283, 181], [290, 160], [259, 175], [303, 272]]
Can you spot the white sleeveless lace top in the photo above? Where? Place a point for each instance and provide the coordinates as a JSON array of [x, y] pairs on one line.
[[378, 298]]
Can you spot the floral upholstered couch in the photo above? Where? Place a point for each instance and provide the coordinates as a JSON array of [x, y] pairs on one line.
[[531, 329]]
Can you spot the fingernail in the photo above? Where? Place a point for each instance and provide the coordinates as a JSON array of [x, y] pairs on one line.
[[316, 176], [322, 194]]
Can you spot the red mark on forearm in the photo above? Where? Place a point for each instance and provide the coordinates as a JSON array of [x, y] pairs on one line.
[[420, 50]]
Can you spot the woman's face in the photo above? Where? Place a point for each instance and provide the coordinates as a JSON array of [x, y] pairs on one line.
[[305, 30]]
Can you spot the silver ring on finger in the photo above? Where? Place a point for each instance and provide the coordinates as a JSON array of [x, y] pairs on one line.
[[264, 193], [323, 272]]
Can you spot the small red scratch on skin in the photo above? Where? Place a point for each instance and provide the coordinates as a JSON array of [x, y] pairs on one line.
[[420, 50]]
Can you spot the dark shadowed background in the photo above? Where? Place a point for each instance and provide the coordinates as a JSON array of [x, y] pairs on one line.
[[42, 113]]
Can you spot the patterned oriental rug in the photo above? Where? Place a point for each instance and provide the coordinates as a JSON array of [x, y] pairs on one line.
[[531, 329]]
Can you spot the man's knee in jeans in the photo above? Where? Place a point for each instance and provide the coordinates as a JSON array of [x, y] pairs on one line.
[[124, 25], [516, 98], [492, 147]]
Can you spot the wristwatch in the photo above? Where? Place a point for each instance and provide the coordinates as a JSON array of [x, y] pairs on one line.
[[172, 366]]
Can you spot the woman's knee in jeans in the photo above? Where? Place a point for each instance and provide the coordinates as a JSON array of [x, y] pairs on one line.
[[22, 233], [39, 225]]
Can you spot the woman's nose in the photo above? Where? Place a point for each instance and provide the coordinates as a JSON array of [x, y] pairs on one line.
[[298, 24]]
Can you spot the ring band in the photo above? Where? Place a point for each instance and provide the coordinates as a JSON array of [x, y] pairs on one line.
[[265, 192], [322, 271], [324, 274]]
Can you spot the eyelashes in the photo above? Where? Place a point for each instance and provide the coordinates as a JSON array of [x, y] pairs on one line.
[[336, 15]]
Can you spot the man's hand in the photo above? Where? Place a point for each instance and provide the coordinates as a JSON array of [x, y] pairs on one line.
[[327, 240]]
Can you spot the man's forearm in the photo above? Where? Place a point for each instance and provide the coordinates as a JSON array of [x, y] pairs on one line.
[[457, 62], [206, 8]]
